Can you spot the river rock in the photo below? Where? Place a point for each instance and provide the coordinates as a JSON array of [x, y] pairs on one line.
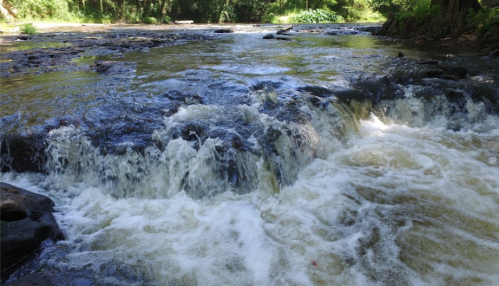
[[111, 67], [32, 279], [269, 37], [455, 72], [26, 221], [282, 31], [448, 73], [22, 153], [223, 31]]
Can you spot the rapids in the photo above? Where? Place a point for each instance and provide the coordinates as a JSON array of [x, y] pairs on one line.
[[325, 160]]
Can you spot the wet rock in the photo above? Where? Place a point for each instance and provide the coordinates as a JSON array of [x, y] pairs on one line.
[[342, 32], [495, 52], [269, 37], [282, 31], [223, 31], [488, 96], [22, 153], [282, 38], [111, 67], [457, 101], [435, 74], [185, 97], [448, 73], [427, 62], [26, 221], [33, 279], [455, 72], [266, 84]]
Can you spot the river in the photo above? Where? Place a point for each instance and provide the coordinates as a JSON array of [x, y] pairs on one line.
[[324, 160]]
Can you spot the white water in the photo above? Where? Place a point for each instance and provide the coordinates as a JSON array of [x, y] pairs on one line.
[[394, 206]]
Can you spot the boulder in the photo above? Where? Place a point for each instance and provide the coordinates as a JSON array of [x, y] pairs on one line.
[[26, 221], [269, 37]]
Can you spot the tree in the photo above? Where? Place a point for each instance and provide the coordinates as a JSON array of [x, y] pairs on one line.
[[434, 19]]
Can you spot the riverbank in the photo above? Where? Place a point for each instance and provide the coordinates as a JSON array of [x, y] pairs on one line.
[[467, 42]]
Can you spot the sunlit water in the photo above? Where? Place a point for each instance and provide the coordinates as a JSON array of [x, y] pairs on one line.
[[382, 201]]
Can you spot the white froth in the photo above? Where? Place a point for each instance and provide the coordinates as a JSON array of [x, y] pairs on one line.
[[396, 205]]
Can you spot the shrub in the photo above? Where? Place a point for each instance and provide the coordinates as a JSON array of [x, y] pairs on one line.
[[43, 9], [28, 29], [486, 22], [149, 20], [317, 16]]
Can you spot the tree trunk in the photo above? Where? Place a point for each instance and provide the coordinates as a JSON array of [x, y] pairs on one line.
[[6, 5], [456, 6]]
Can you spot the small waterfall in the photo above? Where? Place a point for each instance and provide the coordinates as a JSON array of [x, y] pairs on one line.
[[209, 149]]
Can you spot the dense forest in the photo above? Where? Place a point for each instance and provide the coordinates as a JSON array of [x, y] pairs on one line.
[[408, 18]]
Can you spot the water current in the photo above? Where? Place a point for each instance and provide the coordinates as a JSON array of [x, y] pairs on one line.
[[272, 169]]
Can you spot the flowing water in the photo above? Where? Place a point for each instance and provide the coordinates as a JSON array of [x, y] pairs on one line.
[[261, 175]]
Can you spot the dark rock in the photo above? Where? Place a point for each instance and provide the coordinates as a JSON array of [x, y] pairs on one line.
[[448, 73], [455, 72], [22, 153], [223, 31], [186, 97], [266, 84], [26, 221], [436, 74], [495, 52], [457, 101], [282, 31], [32, 279], [269, 37], [400, 55], [111, 67], [283, 38], [428, 62], [342, 32]]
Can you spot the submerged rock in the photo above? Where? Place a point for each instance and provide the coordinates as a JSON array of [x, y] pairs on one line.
[[26, 221]]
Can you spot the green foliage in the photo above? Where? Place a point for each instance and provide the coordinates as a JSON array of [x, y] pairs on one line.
[[166, 19], [391, 6], [28, 29], [317, 16], [249, 11], [358, 10], [43, 9], [486, 22], [149, 20], [420, 13]]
